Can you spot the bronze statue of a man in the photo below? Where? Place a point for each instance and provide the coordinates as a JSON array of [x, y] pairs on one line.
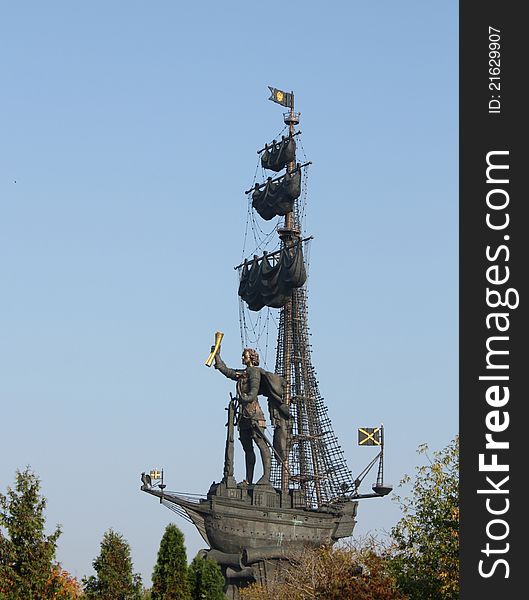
[[251, 382]]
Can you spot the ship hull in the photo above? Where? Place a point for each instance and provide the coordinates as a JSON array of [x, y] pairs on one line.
[[233, 526], [242, 521]]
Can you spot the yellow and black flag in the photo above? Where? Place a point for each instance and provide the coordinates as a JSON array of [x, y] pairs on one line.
[[369, 436], [283, 98]]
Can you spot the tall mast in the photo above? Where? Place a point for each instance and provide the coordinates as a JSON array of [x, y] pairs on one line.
[[316, 465], [288, 236]]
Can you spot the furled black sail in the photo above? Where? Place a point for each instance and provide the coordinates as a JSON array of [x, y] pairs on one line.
[[279, 154], [276, 198], [267, 283]]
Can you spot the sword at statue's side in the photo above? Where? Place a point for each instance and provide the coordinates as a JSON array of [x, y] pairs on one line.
[[214, 349]]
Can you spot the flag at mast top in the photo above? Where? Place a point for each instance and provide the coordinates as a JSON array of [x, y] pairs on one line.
[[283, 98]]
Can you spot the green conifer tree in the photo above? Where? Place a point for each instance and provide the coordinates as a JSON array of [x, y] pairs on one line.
[[114, 579], [169, 578], [205, 579], [26, 553]]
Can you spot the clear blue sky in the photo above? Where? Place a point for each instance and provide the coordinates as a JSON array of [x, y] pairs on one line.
[[128, 133]]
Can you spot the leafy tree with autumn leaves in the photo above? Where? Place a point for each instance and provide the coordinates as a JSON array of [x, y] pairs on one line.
[[356, 572], [64, 585], [425, 560]]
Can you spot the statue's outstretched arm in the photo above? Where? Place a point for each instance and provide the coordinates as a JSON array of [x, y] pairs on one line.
[[226, 371]]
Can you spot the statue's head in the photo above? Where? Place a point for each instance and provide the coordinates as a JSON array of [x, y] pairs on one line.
[[250, 357]]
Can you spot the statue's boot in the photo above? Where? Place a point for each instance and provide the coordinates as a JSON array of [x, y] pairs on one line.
[[266, 459], [280, 441], [250, 466]]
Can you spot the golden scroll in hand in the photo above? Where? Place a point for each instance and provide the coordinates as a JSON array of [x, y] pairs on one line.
[[214, 349]]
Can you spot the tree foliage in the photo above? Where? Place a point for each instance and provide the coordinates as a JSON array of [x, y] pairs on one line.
[[26, 553], [326, 573], [64, 585], [114, 579], [426, 560], [170, 574], [205, 579]]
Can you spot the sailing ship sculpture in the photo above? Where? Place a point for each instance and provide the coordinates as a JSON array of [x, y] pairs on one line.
[[307, 495]]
